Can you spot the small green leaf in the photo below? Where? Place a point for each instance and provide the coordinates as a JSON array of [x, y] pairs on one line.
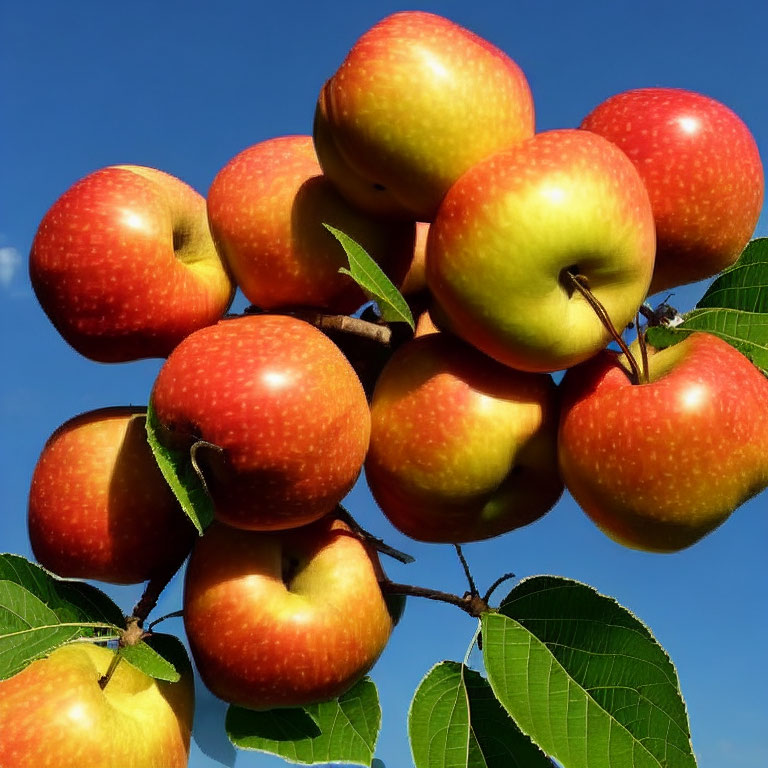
[[735, 308], [159, 655], [179, 472], [374, 283], [345, 729], [455, 721], [585, 679], [39, 612]]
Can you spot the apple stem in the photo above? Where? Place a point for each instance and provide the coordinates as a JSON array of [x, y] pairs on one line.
[[153, 590], [107, 676], [581, 284], [378, 544], [467, 572], [472, 604], [643, 349]]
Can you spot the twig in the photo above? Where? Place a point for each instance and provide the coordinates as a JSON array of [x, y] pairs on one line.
[[355, 326], [474, 605], [173, 615], [497, 583], [467, 572], [133, 634]]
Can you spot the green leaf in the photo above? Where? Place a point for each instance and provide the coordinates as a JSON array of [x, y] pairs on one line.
[[179, 472], [159, 655], [746, 331], [744, 285], [345, 729], [585, 679], [374, 283], [735, 308], [39, 612], [455, 721], [247, 727]]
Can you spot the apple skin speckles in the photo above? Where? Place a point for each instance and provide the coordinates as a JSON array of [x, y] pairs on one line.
[[391, 126], [124, 265], [703, 173], [657, 466], [267, 207], [99, 507], [284, 406], [261, 642]]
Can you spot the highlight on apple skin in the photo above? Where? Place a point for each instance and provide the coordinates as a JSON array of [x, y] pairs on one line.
[[702, 169], [284, 618], [462, 447], [54, 714], [514, 228], [99, 508], [267, 207], [391, 125], [283, 409], [124, 265], [657, 466]]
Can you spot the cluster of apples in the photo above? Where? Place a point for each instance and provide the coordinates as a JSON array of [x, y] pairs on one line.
[[424, 152]]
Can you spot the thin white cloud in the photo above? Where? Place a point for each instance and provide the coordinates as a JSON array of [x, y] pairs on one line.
[[10, 261]]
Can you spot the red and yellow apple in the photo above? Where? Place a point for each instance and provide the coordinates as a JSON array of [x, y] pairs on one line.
[[415, 281], [416, 102], [703, 173], [659, 465], [124, 265], [284, 618], [99, 507], [266, 210], [514, 226], [462, 447], [55, 713], [283, 406]]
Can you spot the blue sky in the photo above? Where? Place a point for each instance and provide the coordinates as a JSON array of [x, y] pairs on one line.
[[184, 87]]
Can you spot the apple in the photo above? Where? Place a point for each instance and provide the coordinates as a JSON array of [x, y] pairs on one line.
[[285, 409], [514, 226], [417, 101], [659, 465], [415, 281], [54, 712], [266, 210], [425, 325], [702, 170], [284, 618], [124, 265], [462, 447], [99, 507]]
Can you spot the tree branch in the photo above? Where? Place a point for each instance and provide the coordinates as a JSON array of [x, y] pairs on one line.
[[474, 605]]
